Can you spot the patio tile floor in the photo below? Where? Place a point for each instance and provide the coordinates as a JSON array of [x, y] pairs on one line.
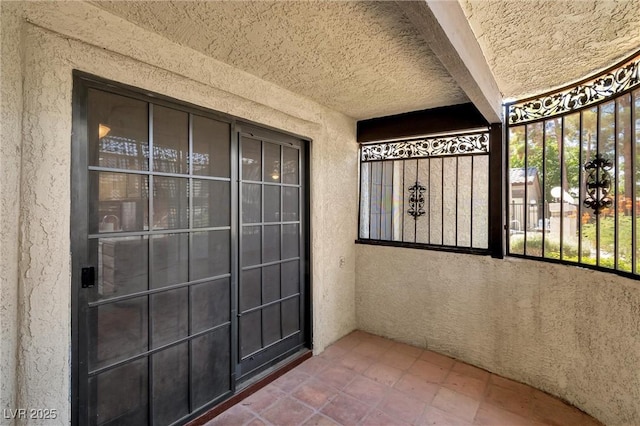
[[367, 380]]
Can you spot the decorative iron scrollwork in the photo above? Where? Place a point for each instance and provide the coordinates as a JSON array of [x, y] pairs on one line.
[[471, 143], [416, 200], [598, 184], [598, 88]]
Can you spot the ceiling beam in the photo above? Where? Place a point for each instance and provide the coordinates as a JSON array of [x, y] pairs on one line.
[[445, 28], [420, 123]]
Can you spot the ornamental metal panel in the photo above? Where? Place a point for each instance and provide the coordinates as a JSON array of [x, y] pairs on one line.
[[601, 87], [470, 143]]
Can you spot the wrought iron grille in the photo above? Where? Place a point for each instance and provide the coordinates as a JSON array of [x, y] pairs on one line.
[[574, 176], [431, 191]]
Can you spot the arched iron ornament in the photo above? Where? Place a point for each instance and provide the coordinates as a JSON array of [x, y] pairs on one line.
[[416, 200], [602, 86], [598, 184]]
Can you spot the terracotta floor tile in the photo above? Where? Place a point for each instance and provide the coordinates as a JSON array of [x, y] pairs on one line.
[[417, 387], [552, 411], [397, 360], [378, 418], [345, 410], [315, 393], [236, 415], [398, 405], [436, 417], [384, 374], [348, 342], [490, 415], [333, 353], [427, 371], [320, 420], [366, 390], [351, 388], [313, 366], [437, 359], [470, 370], [370, 349], [287, 412], [290, 380], [456, 404], [508, 399], [338, 377], [408, 350], [356, 362], [466, 385], [263, 398]]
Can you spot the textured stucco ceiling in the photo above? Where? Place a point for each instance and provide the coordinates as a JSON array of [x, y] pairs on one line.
[[534, 46], [361, 58]]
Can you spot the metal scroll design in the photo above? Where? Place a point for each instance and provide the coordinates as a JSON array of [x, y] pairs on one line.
[[598, 184], [601, 87], [416, 200], [471, 143]]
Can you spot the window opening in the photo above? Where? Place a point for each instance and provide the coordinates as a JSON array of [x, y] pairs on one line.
[[572, 185], [431, 192]]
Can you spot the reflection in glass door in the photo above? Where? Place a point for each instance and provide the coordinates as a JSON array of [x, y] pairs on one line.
[[155, 325], [188, 255], [270, 292]]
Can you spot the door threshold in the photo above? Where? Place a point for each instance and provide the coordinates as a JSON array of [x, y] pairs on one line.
[[254, 384]]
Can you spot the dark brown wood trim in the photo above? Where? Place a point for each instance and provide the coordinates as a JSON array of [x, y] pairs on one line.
[[249, 390], [419, 123], [496, 185]]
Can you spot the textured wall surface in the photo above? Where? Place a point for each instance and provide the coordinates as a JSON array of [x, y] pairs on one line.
[[361, 58], [67, 36], [10, 145], [534, 46], [571, 332]]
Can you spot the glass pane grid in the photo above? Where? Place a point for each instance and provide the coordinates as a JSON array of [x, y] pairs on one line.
[[157, 300]]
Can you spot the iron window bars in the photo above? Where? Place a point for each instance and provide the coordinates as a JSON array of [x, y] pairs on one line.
[[573, 190], [431, 192]]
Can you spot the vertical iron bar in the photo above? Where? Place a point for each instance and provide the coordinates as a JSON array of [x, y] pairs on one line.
[[615, 183], [456, 209], [561, 153], [598, 194], [471, 209], [544, 185], [415, 218], [633, 140], [370, 198], [525, 202], [442, 201], [361, 165], [403, 197], [429, 201], [381, 201], [393, 166], [580, 196]]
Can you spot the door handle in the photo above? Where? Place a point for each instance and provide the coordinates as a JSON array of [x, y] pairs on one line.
[[88, 277]]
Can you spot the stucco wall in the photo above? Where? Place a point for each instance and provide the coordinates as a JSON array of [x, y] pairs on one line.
[[62, 36], [572, 332], [10, 131]]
